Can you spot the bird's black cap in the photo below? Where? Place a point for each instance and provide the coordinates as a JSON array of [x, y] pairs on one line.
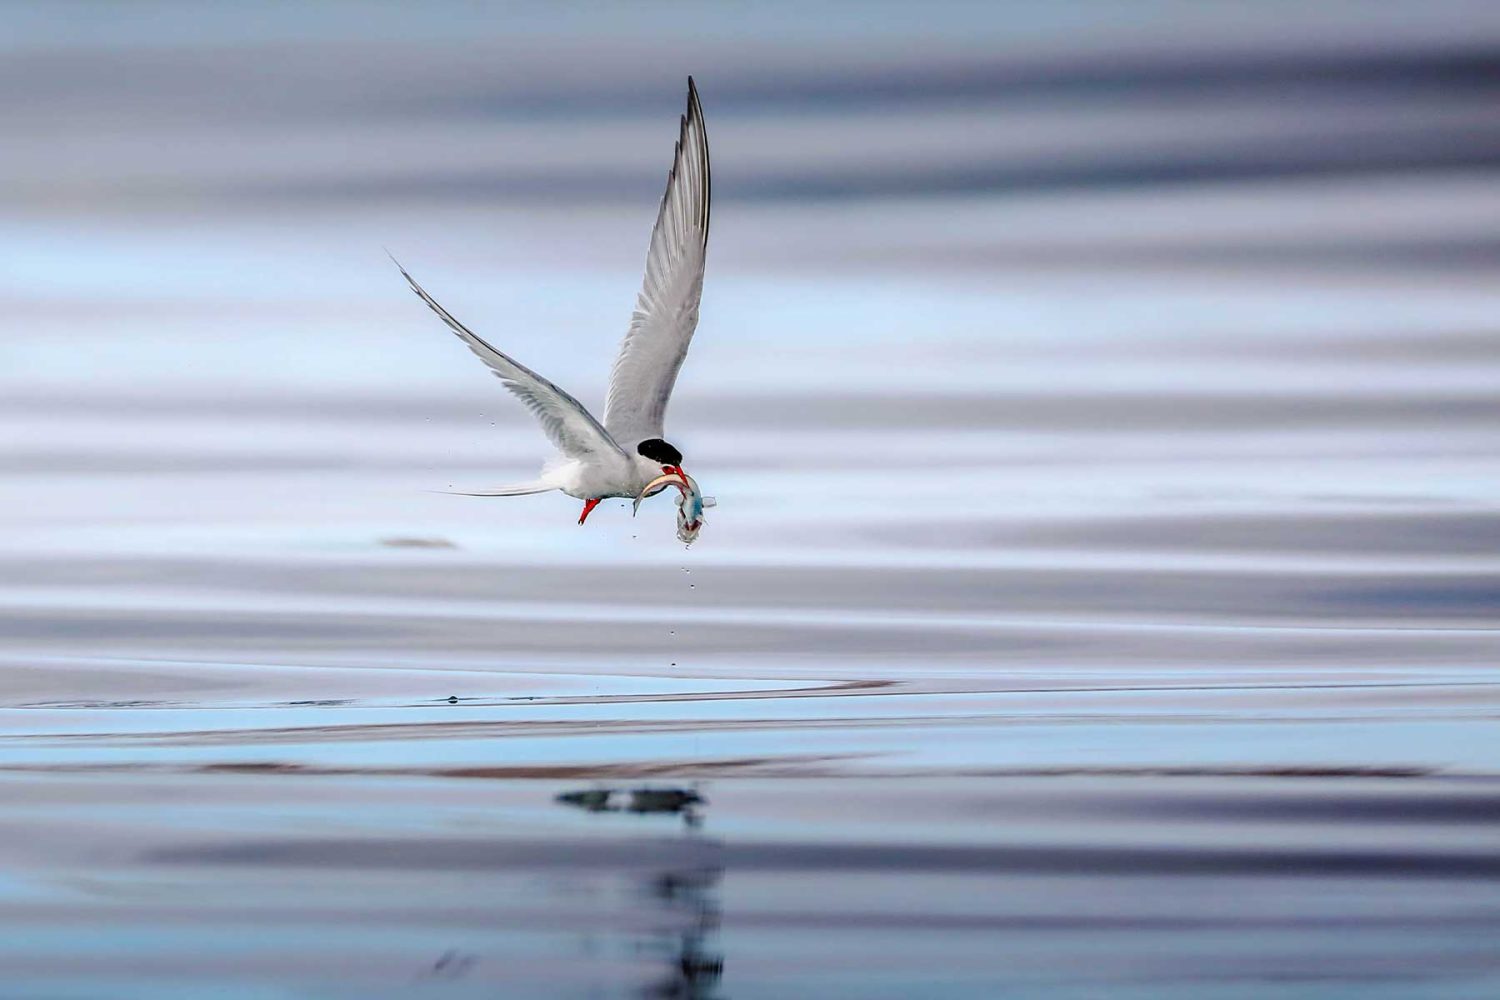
[[659, 452]]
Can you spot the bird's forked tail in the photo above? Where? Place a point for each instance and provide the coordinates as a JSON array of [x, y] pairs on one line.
[[513, 490]]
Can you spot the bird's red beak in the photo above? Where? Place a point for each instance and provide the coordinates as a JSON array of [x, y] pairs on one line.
[[673, 470]]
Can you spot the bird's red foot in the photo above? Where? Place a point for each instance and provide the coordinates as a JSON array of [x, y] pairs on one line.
[[588, 508]]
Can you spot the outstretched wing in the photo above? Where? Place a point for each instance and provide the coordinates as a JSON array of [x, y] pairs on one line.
[[666, 311], [567, 424]]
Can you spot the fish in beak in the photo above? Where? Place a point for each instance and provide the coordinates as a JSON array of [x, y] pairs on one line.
[[690, 502], [677, 479]]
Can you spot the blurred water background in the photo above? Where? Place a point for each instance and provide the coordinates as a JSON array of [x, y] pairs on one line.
[[1102, 403]]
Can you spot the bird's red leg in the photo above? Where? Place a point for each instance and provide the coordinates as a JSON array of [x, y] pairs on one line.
[[588, 508]]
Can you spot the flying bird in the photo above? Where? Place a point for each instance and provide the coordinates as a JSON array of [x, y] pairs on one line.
[[627, 455]]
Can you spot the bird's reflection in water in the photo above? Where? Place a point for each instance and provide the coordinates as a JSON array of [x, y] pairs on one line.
[[687, 895]]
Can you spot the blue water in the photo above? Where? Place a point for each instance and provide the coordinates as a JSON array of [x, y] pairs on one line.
[[1102, 598]]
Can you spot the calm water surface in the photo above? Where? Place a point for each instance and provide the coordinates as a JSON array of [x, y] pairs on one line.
[[1102, 599]]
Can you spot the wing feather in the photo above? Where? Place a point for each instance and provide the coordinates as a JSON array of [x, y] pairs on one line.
[[666, 310], [569, 426]]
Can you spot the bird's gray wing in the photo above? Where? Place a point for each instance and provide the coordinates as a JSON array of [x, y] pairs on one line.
[[570, 427], [666, 311]]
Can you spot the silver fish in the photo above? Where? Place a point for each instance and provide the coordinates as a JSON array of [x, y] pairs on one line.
[[690, 503]]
